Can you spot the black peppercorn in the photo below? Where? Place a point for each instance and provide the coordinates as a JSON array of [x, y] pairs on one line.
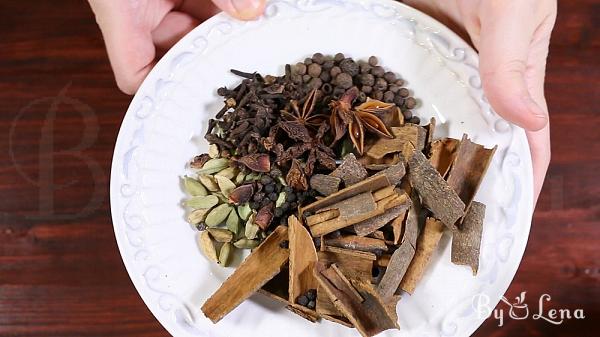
[[311, 305], [278, 212], [407, 114], [415, 120], [311, 294], [270, 188], [302, 300], [254, 205], [325, 77], [265, 180], [366, 89], [273, 196], [258, 196]]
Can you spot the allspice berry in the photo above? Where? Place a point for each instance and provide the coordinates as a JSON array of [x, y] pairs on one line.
[[378, 71], [410, 103], [390, 77], [344, 80], [314, 70], [318, 58], [335, 71], [350, 67], [339, 57], [300, 69], [367, 79], [373, 61]]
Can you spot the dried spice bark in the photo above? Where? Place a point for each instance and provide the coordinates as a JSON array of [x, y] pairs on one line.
[[350, 171], [426, 245], [410, 133], [469, 168], [398, 227], [442, 154], [257, 269], [350, 211], [357, 300], [435, 192], [396, 269], [368, 185], [352, 265], [303, 256], [466, 241], [370, 225], [325, 184], [303, 312], [394, 173], [355, 242]]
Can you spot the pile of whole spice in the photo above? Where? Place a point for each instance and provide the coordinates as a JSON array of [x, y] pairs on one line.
[[342, 196]]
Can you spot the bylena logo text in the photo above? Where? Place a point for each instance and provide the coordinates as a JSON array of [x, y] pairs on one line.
[[519, 310]]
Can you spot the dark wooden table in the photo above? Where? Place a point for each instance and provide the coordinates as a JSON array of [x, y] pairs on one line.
[[60, 270]]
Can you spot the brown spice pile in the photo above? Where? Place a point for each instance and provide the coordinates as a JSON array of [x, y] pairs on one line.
[[351, 196]]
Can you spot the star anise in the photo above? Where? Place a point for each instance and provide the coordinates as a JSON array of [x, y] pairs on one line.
[[358, 120], [317, 151], [305, 116]]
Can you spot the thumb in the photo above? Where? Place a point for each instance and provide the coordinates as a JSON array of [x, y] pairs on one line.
[[242, 9], [506, 34]]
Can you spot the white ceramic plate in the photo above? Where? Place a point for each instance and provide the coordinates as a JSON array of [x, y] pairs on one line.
[[164, 125]]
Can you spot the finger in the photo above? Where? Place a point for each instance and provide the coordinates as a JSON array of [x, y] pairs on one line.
[[128, 39], [539, 145], [172, 28], [242, 9], [506, 34]]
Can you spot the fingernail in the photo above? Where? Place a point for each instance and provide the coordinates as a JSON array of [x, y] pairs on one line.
[[248, 9]]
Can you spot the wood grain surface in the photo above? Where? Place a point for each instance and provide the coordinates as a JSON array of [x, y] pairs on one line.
[[60, 270]]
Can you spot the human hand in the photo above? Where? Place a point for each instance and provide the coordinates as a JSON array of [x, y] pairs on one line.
[[136, 31], [512, 37]]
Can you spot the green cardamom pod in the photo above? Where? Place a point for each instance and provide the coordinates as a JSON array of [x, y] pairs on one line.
[[197, 216], [225, 253], [229, 173], [251, 229], [207, 246], [218, 215], [240, 178], [202, 202], [225, 185], [244, 211], [214, 165], [246, 243], [193, 187], [233, 222], [221, 235], [208, 182]]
